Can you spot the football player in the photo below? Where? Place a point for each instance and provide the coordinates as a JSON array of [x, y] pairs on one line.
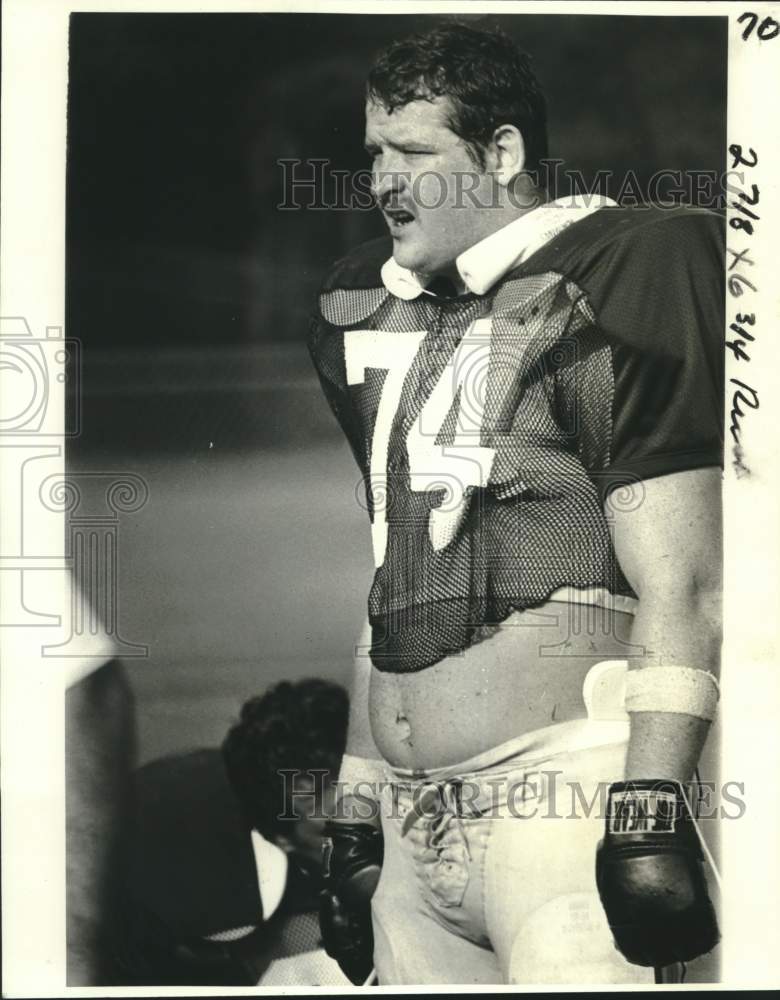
[[532, 392]]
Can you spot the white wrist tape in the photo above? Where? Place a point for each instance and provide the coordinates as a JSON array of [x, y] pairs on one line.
[[672, 689], [366, 774]]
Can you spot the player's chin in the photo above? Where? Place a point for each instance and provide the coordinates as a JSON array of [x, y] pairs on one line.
[[409, 254]]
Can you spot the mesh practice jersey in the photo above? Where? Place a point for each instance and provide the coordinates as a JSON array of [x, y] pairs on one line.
[[495, 433]]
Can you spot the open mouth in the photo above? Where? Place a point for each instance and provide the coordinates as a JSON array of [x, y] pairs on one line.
[[398, 216]]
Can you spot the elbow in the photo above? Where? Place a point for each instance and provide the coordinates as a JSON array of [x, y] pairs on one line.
[[706, 602], [702, 597], [688, 623], [704, 613], [688, 613], [694, 594]]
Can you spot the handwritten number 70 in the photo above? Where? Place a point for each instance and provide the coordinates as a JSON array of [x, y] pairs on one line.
[[768, 29]]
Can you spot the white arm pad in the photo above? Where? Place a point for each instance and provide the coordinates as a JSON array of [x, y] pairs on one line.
[[672, 689]]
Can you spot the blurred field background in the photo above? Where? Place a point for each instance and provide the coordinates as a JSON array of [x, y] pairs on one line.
[[190, 294]]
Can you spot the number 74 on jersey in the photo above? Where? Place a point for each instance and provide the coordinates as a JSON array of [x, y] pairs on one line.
[[457, 468]]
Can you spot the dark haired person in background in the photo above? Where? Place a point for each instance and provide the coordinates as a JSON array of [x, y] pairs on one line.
[[220, 870], [532, 390]]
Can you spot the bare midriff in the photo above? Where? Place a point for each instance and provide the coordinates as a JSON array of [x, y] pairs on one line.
[[526, 676]]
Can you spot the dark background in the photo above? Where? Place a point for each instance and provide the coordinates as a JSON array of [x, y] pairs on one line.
[[190, 291], [190, 294], [176, 124]]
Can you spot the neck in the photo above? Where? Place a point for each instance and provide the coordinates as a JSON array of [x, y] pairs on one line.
[[512, 205], [453, 274], [521, 203]]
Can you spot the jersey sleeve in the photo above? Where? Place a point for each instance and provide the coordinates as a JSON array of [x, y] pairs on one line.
[[350, 295], [659, 304], [326, 347]]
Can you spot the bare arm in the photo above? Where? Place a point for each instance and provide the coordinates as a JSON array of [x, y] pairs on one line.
[[670, 551]]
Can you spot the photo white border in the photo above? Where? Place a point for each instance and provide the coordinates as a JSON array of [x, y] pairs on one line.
[[34, 86]]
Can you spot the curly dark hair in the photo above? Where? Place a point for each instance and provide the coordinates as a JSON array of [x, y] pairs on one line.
[[300, 726], [488, 80]]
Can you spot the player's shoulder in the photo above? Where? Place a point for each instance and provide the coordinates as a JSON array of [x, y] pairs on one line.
[[650, 227], [353, 289], [642, 235], [360, 268], [653, 276]]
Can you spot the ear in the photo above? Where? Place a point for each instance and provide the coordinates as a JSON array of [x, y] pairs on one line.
[[508, 154]]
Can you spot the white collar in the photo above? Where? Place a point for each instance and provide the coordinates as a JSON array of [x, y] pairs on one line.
[[484, 263], [271, 864]]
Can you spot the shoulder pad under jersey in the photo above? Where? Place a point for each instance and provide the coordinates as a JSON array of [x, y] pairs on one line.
[[353, 287], [652, 275]]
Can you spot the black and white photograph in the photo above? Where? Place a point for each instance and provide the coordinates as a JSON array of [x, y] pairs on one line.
[[389, 526]]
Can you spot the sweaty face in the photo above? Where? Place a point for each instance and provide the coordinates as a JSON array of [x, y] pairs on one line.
[[427, 185]]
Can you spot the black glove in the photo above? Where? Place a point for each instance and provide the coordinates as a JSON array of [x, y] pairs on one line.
[[650, 875], [353, 858]]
